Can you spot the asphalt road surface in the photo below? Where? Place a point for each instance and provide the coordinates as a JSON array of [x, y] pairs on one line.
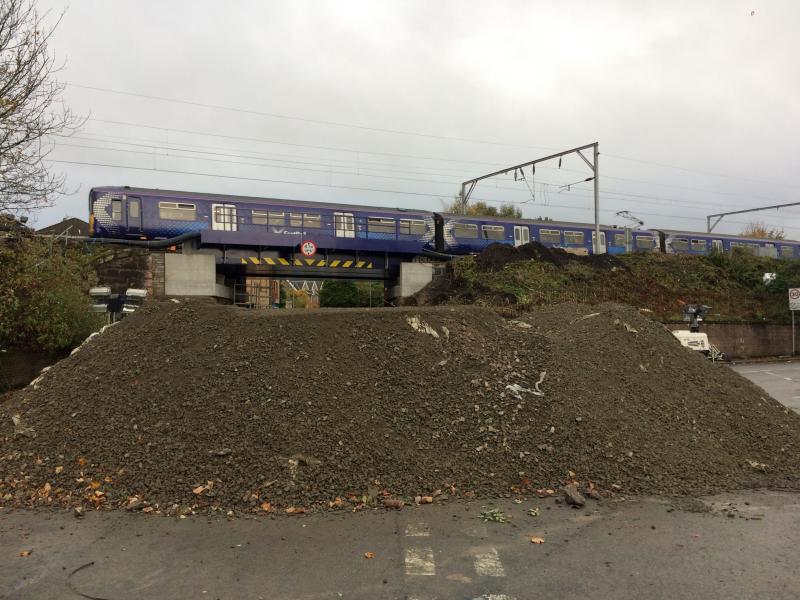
[[780, 379], [734, 546], [743, 547]]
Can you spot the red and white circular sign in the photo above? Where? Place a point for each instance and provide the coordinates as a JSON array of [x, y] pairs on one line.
[[308, 248]]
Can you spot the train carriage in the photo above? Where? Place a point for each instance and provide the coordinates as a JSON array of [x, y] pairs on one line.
[[468, 234], [137, 214], [687, 242], [266, 222]]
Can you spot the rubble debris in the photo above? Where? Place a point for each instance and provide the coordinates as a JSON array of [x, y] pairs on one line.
[[228, 418], [573, 496]]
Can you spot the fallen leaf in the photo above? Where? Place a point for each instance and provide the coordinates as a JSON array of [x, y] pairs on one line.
[[295, 510], [335, 503], [28, 553], [59, 470], [369, 555], [147, 509], [82, 461], [393, 503], [94, 485], [199, 490], [537, 540], [107, 479], [267, 507], [425, 499]]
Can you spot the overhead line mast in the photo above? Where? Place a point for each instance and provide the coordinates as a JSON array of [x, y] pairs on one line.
[[469, 185], [719, 216]]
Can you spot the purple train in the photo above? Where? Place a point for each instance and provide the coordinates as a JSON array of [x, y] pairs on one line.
[[161, 218]]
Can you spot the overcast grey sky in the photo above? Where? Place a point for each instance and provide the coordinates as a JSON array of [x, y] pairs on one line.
[[706, 86]]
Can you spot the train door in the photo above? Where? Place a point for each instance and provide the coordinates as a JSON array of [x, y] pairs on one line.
[[223, 217], [344, 224], [134, 216], [522, 235], [602, 248], [716, 245]]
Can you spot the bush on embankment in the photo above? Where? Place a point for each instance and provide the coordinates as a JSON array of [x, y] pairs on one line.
[[44, 303], [733, 284]]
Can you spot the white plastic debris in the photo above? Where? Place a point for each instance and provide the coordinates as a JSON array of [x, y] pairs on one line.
[[417, 324], [517, 390]]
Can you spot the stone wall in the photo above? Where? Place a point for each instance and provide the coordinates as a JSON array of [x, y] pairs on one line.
[[123, 267], [747, 340]]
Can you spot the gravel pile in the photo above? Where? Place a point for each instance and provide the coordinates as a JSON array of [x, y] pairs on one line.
[[196, 406]]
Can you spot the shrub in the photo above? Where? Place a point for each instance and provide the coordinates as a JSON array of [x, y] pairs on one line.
[[339, 294], [44, 303]]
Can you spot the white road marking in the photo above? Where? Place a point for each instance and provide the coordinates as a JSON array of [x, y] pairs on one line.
[[495, 597], [417, 530], [770, 373], [488, 564], [788, 378], [419, 561]]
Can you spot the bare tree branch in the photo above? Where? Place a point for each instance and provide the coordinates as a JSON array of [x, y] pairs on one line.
[[31, 108]]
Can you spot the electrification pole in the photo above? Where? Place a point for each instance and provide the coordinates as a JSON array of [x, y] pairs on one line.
[[468, 186]]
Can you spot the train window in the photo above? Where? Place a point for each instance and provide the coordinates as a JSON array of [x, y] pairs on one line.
[[619, 240], [550, 236], [344, 225], [259, 217], [133, 208], [646, 242], [465, 230], [295, 219], [224, 214], [177, 211], [380, 225], [409, 227], [573, 237], [752, 248], [494, 232], [314, 221], [787, 251], [116, 210], [699, 245], [680, 244]]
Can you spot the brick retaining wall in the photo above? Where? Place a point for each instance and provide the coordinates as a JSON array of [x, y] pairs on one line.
[[747, 340]]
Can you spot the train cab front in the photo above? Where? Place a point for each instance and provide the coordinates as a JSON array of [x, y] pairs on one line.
[[114, 214]]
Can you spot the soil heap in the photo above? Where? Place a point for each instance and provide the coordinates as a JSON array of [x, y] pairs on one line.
[[207, 406]]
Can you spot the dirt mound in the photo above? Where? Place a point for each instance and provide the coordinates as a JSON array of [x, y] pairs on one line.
[[206, 406], [497, 256]]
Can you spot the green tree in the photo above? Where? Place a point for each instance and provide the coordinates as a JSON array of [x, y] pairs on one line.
[[44, 303], [759, 229], [481, 209], [370, 293], [339, 294], [511, 211]]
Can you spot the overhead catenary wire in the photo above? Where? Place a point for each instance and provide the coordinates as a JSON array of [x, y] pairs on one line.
[[646, 199], [432, 158], [398, 131], [355, 188]]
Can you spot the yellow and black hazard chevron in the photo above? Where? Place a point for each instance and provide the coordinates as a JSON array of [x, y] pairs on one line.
[[308, 262]]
